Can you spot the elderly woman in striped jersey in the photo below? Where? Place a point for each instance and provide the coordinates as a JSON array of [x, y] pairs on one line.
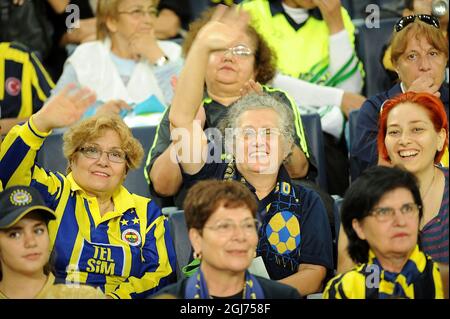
[[103, 236]]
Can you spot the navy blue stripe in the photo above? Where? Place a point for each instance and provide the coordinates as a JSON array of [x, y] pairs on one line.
[[97, 236], [50, 200], [34, 132], [12, 159], [66, 237]]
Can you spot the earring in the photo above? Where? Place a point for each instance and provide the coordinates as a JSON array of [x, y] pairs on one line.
[[197, 255]]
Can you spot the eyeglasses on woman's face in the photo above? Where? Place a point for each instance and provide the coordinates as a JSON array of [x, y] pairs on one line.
[[384, 214], [139, 13], [228, 227], [94, 152]]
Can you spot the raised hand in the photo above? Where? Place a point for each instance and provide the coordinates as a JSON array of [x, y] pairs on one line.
[[251, 87], [331, 12], [225, 27], [64, 109]]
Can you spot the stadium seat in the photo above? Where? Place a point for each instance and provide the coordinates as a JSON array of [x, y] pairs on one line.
[[179, 233], [51, 158], [352, 122], [369, 45], [313, 131]]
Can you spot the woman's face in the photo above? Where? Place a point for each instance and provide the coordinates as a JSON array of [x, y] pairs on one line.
[[227, 72], [24, 248], [228, 240], [421, 59], [411, 139], [391, 236], [259, 147], [134, 17], [104, 174]]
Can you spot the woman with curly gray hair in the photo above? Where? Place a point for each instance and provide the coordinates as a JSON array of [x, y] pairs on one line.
[[295, 238]]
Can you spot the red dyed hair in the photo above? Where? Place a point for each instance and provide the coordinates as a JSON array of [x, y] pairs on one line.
[[428, 101]]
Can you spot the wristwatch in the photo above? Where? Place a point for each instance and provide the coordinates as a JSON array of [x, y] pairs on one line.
[[161, 61]]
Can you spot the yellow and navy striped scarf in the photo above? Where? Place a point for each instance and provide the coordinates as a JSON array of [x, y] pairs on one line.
[[418, 279], [196, 287]]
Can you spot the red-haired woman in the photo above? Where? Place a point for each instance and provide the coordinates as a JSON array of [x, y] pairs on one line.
[[414, 134]]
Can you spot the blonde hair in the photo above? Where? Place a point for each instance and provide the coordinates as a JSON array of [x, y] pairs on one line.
[[107, 9], [417, 29], [95, 127]]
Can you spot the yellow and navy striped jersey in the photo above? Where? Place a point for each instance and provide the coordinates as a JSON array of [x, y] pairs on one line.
[[127, 252], [24, 83], [367, 281]]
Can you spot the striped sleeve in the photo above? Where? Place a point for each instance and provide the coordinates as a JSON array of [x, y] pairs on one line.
[[158, 259], [350, 285], [18, 163]]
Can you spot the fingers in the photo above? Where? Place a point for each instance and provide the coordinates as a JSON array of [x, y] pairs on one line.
[[219, 12]]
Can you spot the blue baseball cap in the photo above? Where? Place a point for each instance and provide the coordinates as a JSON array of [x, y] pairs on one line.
[[18, 201]]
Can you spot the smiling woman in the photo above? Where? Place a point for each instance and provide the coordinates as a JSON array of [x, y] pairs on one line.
[[103, 236], [25, 269]]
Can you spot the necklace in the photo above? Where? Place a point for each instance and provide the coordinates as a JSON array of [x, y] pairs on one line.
[[431, 184]]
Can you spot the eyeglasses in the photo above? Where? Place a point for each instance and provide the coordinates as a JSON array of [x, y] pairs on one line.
[[250, 133], [140, 13], [239, 50], [404, 21], [228, 227], [383, 214], [115, 156]]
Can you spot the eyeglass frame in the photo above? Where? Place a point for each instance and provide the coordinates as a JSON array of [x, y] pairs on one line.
[[240, 50], [403, 22], [83, 150], [391, 212], [140, 13], [261, 132], [241, 225]]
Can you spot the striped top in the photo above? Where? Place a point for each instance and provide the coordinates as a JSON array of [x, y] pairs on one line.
[[434, 235], [127, 252], [24, 83], [418, 279]]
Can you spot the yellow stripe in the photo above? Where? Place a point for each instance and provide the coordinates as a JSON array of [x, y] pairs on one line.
[[3, 49], [439, 290], [43, 71]]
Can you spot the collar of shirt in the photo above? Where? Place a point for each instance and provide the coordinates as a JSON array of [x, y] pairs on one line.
[[122, 199]]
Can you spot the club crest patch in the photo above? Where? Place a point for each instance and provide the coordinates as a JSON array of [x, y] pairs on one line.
[[20, 197], [132, 237], [13, 86]]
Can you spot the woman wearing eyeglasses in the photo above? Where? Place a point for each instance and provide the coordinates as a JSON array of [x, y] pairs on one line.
[[127, 64], [381, 214], [226, 74], [223, 230], [103, 235], [419, 55], [257, 132]]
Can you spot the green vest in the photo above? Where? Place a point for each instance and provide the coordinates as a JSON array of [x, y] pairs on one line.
[[301, 53]]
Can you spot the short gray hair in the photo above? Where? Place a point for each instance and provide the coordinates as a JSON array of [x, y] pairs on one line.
[[260, 101]]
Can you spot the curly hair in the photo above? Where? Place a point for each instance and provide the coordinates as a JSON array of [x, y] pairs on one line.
[[94, 127], [265, 58]]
